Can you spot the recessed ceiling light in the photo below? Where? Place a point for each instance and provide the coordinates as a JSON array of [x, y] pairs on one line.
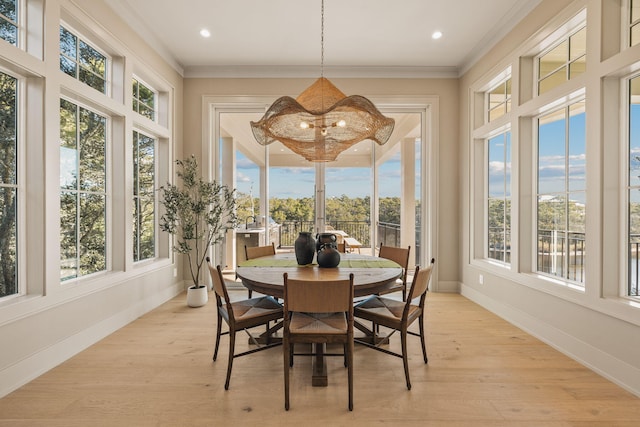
[[205, 33], [436, 35]]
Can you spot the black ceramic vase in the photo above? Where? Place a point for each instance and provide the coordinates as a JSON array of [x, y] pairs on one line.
[[326, 239], [305, 248], [328, 256]]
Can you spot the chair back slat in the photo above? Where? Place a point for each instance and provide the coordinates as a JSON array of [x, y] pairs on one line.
[[420, 283], [399, 255], [252, 252], [318, 297]]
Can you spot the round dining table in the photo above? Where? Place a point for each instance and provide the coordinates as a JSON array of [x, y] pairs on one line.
[[371, 275]]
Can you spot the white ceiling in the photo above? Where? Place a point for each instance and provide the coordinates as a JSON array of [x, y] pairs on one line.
[[362, 38]]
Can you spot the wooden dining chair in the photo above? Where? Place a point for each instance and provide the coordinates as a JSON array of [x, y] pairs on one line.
[[252, 252], [398, 316], [401, 256], [241, 315], [318, 313], [342, 247]]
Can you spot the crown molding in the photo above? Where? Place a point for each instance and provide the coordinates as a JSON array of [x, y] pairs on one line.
[[242, 71]]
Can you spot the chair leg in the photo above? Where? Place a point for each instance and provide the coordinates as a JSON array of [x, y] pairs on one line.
[[403, 336], [424, 348], [290, 354], [250, 293], [346, 356], [232, 346], [218, 332], [404, 293], [286, 352], [350, 372]]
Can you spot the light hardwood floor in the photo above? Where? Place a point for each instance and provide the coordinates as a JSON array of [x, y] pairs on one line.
[[482, 371]]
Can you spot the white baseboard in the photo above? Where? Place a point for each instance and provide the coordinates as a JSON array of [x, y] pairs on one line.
[[612, 368], [29, 368]]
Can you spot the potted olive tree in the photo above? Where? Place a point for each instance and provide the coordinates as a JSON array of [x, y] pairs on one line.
[[198, 213]]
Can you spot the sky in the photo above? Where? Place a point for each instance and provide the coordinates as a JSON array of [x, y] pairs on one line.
[[299, 182]]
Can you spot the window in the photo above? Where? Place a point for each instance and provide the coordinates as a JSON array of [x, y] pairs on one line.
[[499, 197], [82, 191], [563, 62], [81, 61], [143, 197], [634, 187], [9, 21], [634, 22], [8, 185], [561, 193], [499, 100], [143, 100]]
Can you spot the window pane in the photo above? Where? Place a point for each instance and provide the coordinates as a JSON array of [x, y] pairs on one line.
[[92, 236], [146, 95], [554, 80], [68, 145], [634, 241], [551, 237], [147, 228], [497, 112], [577, 67], [497, 166], [144, 200], [553, 60], [68, 43], [91, 59], [577, 147], [8, 8], [635, 10], [551, 153], [146, 147], [635, 35], [82, 213], [499, 205], [634, 132], [8, 132], [67, 66], [96, 82], [8, 32], [8, 28], [578, 44], [496, 229], [68, 238], [92, 151], [8, 243], [79, 60]]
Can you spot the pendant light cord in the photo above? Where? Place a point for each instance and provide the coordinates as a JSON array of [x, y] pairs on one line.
[[322, 40]]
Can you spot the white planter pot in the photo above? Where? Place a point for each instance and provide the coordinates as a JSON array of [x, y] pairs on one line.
[[197, 297]]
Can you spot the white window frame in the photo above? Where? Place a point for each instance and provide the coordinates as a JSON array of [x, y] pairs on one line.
[[156, 167]]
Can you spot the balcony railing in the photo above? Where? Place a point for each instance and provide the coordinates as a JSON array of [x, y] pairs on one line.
[[357, 229], [561, 254]]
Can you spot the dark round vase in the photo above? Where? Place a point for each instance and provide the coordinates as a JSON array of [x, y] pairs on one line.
[[328, 257], [305, 246], [326, 239]]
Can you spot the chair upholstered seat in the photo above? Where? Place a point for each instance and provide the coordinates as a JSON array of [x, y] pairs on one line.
[[318, 323], [386, 310], [256, 309]]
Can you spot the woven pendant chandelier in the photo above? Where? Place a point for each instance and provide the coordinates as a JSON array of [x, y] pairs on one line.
[[322, 122]]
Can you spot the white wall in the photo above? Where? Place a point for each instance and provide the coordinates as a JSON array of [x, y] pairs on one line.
[[53, 321], [594, 326]]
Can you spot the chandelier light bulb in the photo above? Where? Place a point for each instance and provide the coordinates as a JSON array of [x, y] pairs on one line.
[[304, 125], [342, 123]]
